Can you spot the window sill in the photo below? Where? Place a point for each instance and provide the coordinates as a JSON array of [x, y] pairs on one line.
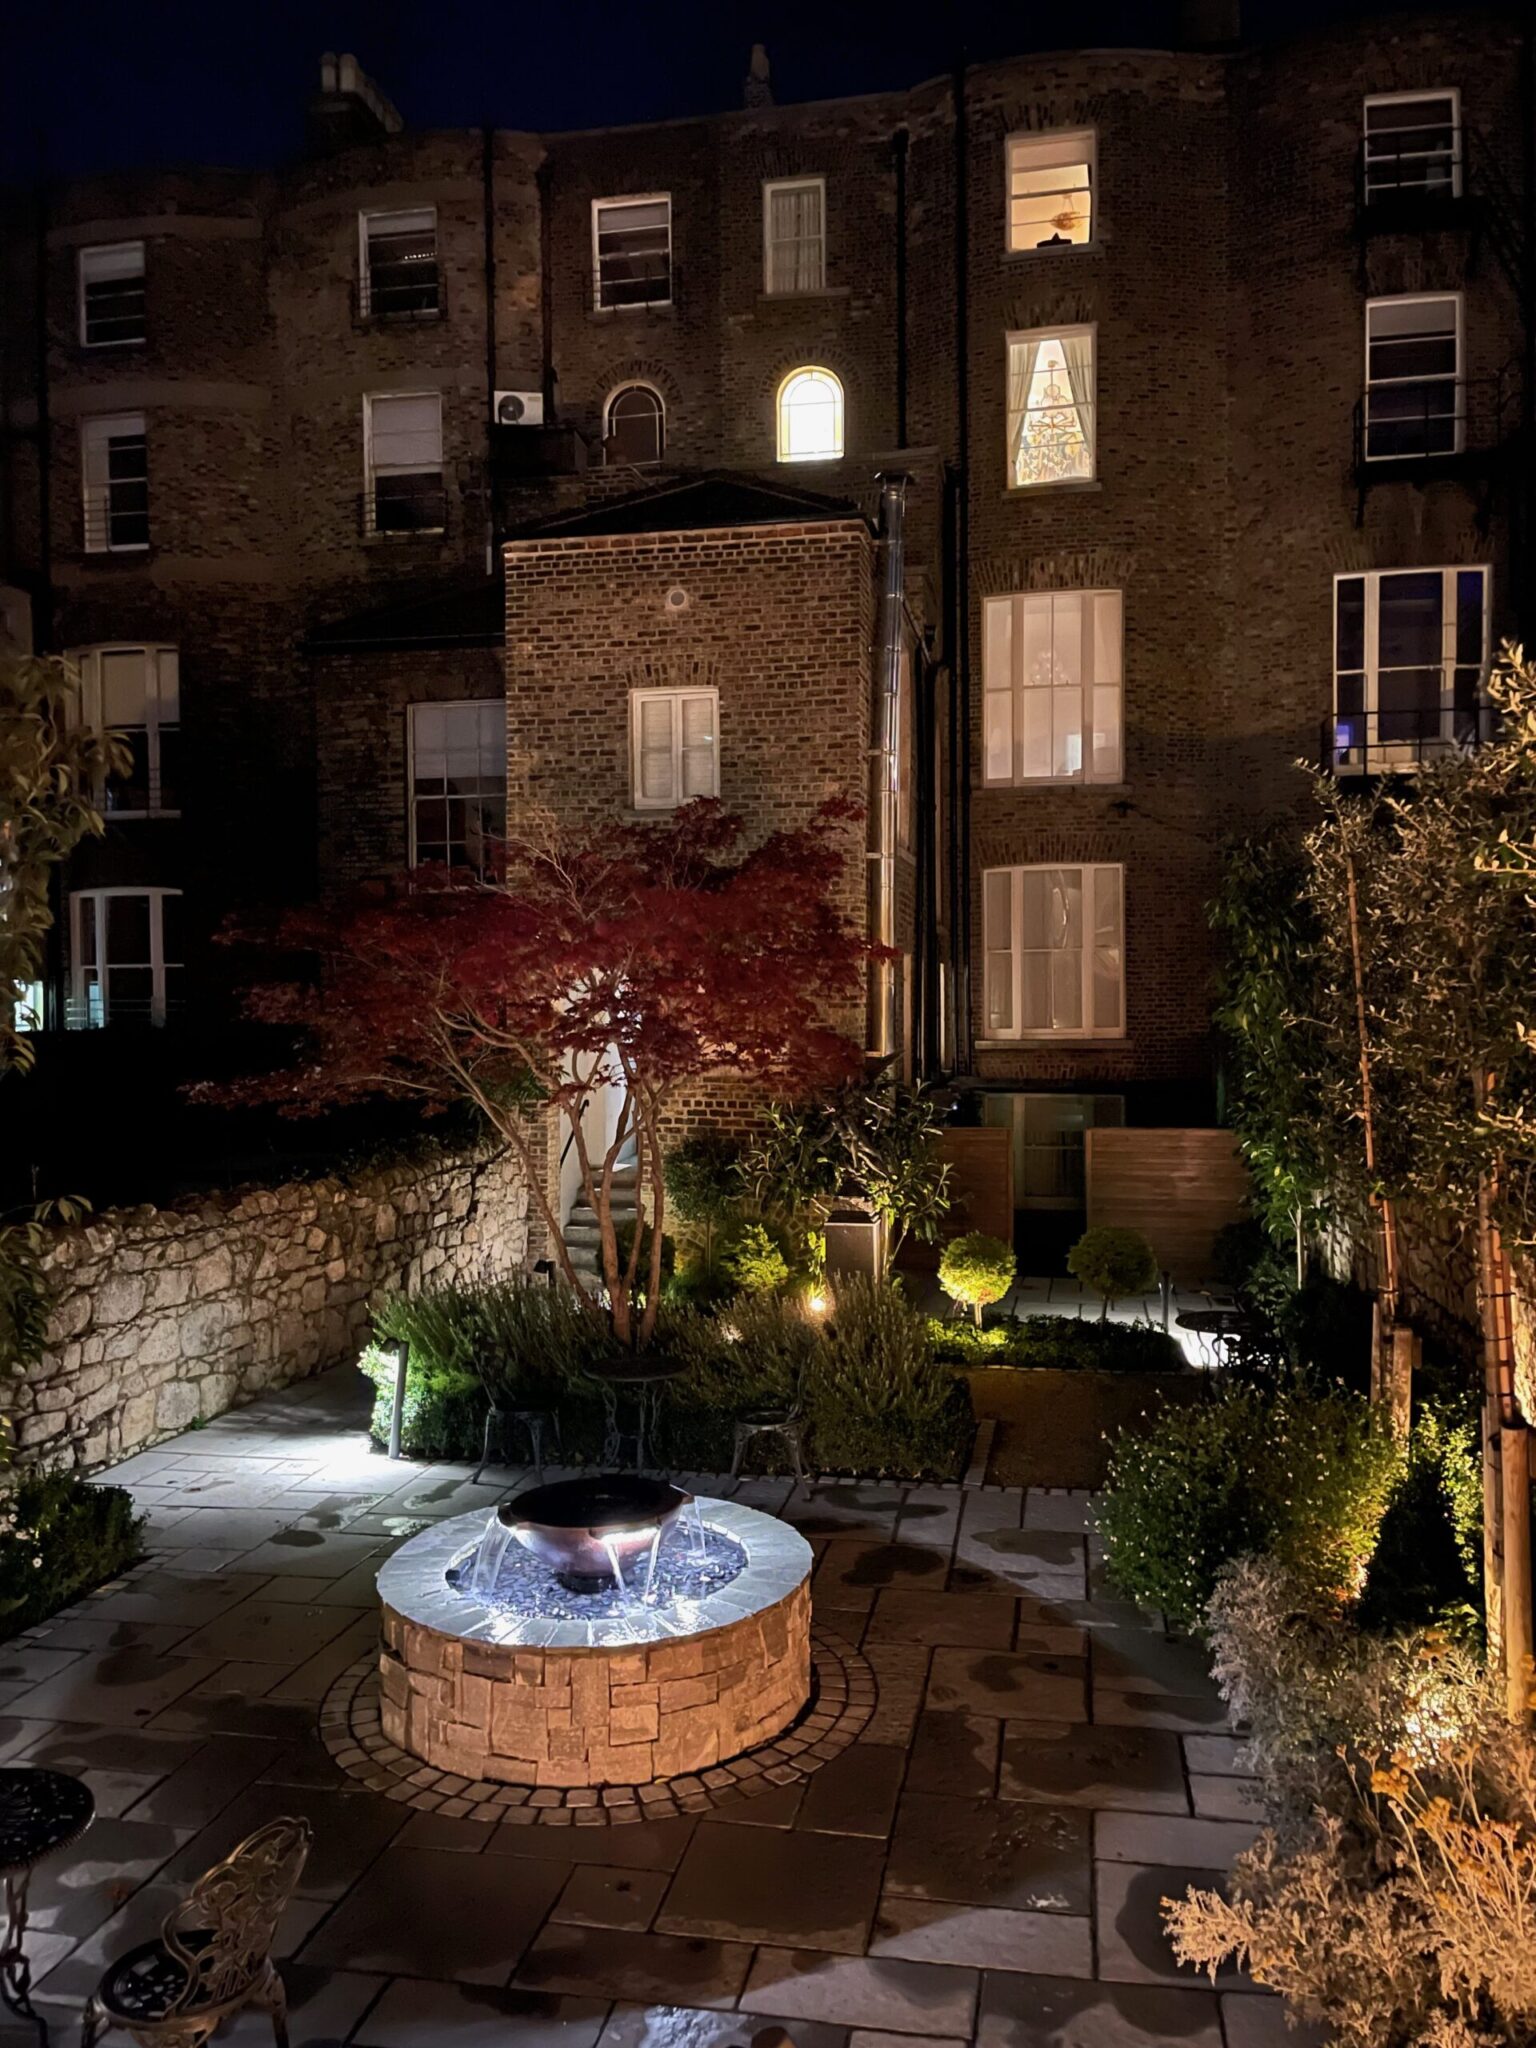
[[1040, 1040], [138, 553], [107, 348], [622, 312], [826, 291], [1053, 249], [141, 817], [1055, 782], [432, 534], [1066, 487]]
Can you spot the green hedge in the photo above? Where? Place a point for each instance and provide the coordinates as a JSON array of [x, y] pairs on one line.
[[1068, 1343], [62, 1536]]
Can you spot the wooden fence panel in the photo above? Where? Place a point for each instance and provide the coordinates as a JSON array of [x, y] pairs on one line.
[[981, 1190], [1177, 1187]]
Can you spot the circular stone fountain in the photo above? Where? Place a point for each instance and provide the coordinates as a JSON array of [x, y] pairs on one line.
[[611, 1631]]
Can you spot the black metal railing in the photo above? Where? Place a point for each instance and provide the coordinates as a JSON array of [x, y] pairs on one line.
[[1434, 420], [405, 508], [619, 281], [1407, 170], [1396, 742], [398, 292]]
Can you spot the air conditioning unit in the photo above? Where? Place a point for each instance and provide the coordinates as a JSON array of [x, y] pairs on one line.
[[519, 408]]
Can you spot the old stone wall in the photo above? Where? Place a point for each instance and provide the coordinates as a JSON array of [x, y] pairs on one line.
[[164, 1317]]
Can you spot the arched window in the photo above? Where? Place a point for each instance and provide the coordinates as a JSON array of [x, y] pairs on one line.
[[810, 417], [636, 427]]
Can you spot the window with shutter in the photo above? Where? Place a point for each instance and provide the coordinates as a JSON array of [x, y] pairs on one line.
[[1051, 665], [1055, 952], [673, 744], [136, 692], [403, 448], [112, 295], [114, 471], [794, 235]]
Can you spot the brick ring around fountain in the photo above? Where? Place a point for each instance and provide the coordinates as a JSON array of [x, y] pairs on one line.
[[597, 1632]]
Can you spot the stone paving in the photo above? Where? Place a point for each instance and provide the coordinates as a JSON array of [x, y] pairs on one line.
[[983, 1863]]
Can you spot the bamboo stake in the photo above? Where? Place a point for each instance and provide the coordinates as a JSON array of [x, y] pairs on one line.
[[1507, 1500]]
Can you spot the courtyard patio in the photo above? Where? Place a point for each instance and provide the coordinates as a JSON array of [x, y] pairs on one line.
[[1021, 1768]]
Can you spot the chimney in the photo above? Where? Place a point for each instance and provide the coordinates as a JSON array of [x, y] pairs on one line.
[[349, 107], [757, 89]]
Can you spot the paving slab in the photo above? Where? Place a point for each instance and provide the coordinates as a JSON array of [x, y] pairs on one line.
[[418, 2013], [644, 1968], [796, 1890], [676, 2026], [429, 1913], [954, 1753], [1132, 1943], [596, 1896], [1158, 1838], [983, 1937], [856, 1793], [1012, 1685], [990, 1852], [928, 2000], [1046, 2012], [1071, 1765]]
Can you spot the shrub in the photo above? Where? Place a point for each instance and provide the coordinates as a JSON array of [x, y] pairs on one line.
[[59, 1536], [975, 1270], [1304, 1478], [1428, 1561], [878, 1400], [1391, 1897], [1113, 1263], [1064, 1343], [444, 1413], [760, 1355], [704, 1189], [754, 1261]]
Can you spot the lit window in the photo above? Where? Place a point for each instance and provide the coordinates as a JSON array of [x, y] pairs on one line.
[[1412, 145], [112, 295], [398, 275], [27, 1006], [810, 417], [636, 429], [1413, 394], [125, 948], [1050, 406], [1410, 658], [674, 757], [1051, 665], [632, 252], [458, 783], [795, 235], [403, 453], [1055, 952], [1050, 189], [114, 473], [135, 692]]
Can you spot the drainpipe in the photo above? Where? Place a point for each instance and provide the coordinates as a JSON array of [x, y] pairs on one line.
[[899, 152], [884, 1030], [544, 181], [488, 221], [960, 938]]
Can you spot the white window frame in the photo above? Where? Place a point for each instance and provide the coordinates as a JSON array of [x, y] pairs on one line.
[[365, 219], [1052, 139], [818, 184], [638, 384], [371, 474], [1017, 692], [839, 415], [1375, 756], [412, 799], [1458, 146], [162, 685], [96, 498], [1090, 405], [81, 281], [676, 698], [1013, 951], [1457, 379], [78, 968], [630, 199]]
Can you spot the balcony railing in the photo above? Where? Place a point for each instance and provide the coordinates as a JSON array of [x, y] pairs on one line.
[[1411, 177], [1397, 742], [1432, 422], [398, 292], [87, 1013], [405, 508], [620, 281]]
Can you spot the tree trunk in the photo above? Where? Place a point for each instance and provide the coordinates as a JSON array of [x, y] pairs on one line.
[[1506, 1457]]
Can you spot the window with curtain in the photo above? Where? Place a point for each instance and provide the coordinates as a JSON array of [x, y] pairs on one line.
[[114, 474], [136, 692], [403, 439], [810, 417], [1050, 189], [1410, 660], [458, 783], [112, 295], [632, 252], [794, 235], [399, 275], [1051, 665], [1413, 394], [635, 429], [1051, 406], [126, 957], [673, 747], [1054, 941]]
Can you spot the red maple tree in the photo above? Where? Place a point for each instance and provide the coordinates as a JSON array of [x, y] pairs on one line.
[[643, 957]]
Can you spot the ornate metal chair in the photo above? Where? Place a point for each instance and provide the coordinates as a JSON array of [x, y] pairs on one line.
[[214, 1955]]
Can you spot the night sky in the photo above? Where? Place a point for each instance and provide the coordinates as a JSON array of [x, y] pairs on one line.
[[100, 86]]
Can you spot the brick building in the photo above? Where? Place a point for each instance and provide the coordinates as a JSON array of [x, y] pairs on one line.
[[436, 459]]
